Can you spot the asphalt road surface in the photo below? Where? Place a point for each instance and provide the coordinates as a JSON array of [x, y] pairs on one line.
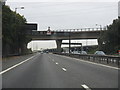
[[55, 71]]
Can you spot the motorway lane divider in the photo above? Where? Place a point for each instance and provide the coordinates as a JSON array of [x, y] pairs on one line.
[[16, 65], [107, 61], [64, 69], [89, 62], [85, 87], [56, 63]]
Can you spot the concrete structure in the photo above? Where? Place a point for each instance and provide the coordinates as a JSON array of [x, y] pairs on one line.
[[66, 34]]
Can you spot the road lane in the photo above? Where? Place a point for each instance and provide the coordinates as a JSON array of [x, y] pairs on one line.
[[43, 72], [39, 72], [93, 75]]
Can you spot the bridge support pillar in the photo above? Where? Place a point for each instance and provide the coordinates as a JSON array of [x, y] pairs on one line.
[[99, 43], [59, 42]]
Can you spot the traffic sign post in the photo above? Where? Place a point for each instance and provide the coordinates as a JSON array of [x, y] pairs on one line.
[[48, 31]]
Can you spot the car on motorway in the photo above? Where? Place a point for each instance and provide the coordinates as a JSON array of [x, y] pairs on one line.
[[79, 52], [47, 51], [75, 52], [41, 52], [99, 53], [83, 52]]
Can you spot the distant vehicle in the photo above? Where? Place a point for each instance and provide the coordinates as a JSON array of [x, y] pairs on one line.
[[79, 52], [63, 52], [47, 51], [66, 52], [41, 52], [75, 52], [83, 52], [99, 53]]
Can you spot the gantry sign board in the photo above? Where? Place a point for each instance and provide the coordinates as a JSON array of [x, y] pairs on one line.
[[31, 26]]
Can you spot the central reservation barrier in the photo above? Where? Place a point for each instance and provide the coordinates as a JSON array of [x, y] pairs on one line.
[[103, 59]]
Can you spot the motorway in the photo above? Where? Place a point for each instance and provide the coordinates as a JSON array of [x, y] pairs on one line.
[[55, 71]]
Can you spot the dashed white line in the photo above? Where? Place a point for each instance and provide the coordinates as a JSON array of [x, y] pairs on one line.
[[56, 63], [85, 87], [98, 64], [64, 69], [16, 65], [91, 62], [49, 57]]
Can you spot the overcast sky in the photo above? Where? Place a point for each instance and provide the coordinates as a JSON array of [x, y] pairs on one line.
[[62, 0], [66, 14]]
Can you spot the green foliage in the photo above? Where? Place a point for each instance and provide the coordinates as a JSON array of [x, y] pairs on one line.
[[109, 40], [13, 32]]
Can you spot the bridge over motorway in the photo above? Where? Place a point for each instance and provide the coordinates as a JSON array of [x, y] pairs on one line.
[[66, 34]]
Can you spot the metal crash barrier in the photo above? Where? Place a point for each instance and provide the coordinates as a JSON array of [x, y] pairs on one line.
[[103, 59]]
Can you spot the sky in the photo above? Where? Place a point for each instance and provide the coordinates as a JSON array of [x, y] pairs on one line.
[[66, 14], [62, 0]]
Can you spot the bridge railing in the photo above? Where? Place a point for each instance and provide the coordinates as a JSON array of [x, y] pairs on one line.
[[67, 30], [106, 59], [80, 30]]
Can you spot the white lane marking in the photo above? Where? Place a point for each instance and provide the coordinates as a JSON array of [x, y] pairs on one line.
[[85, 87], [98, 64], [2, 72], [49, 57], [91, 62], [64, 69], [56, 63]]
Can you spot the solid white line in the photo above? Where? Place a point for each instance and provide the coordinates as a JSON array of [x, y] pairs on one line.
[[64, 69], [85, 87], [16, 65], [99, 64], [90, 62], [56, 63]]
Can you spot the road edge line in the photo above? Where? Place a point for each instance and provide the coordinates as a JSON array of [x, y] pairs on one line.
[[6, 70], [91, 62]]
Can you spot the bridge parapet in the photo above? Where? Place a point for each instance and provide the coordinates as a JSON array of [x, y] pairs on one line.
[[66, 31], [80, 30]]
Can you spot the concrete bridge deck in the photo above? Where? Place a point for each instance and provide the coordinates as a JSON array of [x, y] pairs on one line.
[[66, 34]]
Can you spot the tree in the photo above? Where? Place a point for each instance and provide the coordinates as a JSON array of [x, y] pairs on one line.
[[13, 34], [109, 40]]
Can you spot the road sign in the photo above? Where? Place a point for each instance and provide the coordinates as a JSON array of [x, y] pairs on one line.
[[31, 26], [48, 32]]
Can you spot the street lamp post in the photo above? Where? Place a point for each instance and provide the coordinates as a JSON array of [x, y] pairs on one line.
[[18, 8], [18, 47]]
